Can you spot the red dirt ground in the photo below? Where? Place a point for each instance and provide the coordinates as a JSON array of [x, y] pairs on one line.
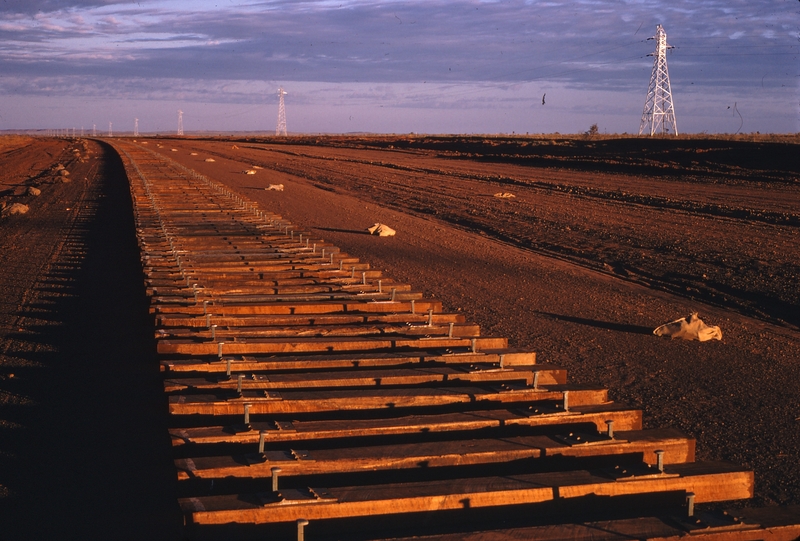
[[603, 241]]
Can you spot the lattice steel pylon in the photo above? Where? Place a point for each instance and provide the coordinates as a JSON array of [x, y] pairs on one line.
[[136, 127], [180, 122], [659, 111], [281, 129]]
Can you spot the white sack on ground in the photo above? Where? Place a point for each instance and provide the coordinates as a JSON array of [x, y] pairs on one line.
[[249, 171], [15, 208], [275, 187], [689, 328], [381, 230]]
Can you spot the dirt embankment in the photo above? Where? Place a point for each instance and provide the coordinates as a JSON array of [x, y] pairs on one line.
[[35, 209], [83, 446]]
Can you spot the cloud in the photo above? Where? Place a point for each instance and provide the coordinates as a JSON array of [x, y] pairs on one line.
[[48, 6], [461, 47]]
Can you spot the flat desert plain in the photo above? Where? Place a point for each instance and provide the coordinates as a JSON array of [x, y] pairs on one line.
[[575, 247]]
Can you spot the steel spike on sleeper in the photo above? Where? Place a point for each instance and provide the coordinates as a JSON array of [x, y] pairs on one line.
[[275, 470], [301, 524], [659, 460]]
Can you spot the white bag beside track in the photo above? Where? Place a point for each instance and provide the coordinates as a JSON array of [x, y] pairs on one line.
[[381, 230], [689, 328]]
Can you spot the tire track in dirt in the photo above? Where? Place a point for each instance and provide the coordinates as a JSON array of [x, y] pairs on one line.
[[689, 248], [693, 207]]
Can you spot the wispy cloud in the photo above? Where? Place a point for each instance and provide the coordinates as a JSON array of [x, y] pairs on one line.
[[460, 46]]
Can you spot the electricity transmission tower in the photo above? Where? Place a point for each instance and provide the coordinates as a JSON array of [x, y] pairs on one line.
[[136, 127], [659, 113], [94, 130], [180, 122], [110, 133], [281, 129]]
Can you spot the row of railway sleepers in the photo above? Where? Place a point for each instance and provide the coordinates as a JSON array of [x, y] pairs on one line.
[[291, 366]]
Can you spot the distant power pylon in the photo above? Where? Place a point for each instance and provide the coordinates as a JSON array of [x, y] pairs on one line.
[[110, 133], [659, 113], [94, 130], [180, 122], [136, 127], [281, 129]]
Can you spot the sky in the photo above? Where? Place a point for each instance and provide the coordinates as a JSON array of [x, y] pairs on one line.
[[419, 66]]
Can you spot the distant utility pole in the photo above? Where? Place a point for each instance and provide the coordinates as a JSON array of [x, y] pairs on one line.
[[180, 122], [110, 133], [659, 113], [94, 130], [136, 127], [281, 129], [81, 131]]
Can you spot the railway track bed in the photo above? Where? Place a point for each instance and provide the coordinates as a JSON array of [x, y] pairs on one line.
[[291, 366]]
